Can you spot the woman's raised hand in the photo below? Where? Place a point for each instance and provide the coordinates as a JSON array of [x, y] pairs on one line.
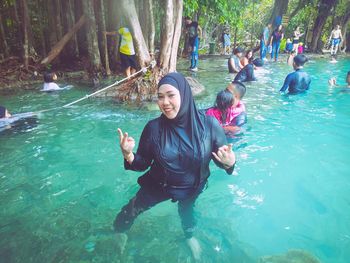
[[225, 155], [127, 144]]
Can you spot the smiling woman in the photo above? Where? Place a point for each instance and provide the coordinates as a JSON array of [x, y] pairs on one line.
[[169, 100], [178, 147]]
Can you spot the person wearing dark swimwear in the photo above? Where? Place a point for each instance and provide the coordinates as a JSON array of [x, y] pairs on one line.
[[176, 148], [247, 73], [297, 81]]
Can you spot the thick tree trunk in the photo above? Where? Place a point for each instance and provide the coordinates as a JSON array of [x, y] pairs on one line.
[[129, 11], [100, 15], [60, 45], [151, 25], [91, 36], [324, 10], [167, 36], [279, 9], [3, 44], [177, 35]]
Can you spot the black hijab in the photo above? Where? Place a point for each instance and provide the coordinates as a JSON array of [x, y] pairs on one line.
[[182, 136]]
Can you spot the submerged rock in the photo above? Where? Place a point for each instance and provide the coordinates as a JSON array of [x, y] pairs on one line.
[[292, 256], [196, 87]]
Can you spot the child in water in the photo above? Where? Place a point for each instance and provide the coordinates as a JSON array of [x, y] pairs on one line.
[[49, 84], [333, 81], [290, 58], [228, 109], [238, 115]]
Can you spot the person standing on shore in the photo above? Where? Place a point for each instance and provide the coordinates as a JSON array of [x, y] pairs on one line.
[[275, 42], [264, 41], [335, 39], [194, 33]]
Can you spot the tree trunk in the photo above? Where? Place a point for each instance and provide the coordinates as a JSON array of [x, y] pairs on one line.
[[177, 35], [3, 43], [167, 35], [51, 29], [129, 11], [25, 24], [186, 42], [100, 15], [91, 36], [279, 9], [60, 45], [58, 20], [19, 27], [41, 24], [324, 10], [151, 26], [68, 9]]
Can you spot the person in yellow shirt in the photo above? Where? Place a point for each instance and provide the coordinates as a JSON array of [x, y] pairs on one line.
[[126, 50]]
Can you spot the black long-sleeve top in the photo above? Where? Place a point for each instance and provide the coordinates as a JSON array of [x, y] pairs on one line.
[[145, 157], [246, 74]]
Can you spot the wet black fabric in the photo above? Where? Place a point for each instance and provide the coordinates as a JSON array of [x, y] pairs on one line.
[[246, 74], [182, 135], [178, 151], [2, 112]]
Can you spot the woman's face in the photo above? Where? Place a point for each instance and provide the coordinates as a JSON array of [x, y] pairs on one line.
[[250, 54], [54, 77], [169, 100], [279, 27]]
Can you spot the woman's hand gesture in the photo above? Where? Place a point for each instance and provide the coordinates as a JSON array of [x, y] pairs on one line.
[[225, 155], [127, 144]]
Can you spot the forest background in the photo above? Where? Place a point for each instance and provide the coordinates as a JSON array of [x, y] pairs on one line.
[[67, 35]]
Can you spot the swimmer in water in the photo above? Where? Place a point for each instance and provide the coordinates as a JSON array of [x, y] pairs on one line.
[[297, 81], [247, 73], [4, 113], [49, 84], [291, 57], [333, 81]]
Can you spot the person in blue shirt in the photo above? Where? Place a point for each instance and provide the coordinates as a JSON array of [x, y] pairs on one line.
[[297, 81], [194, 34], [264, 41], [247, 73]]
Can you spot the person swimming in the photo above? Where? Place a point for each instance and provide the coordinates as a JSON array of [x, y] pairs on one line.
[[333, 81], [247, 73], [49, 84], [297, 81], [4, 113], [20, 121]]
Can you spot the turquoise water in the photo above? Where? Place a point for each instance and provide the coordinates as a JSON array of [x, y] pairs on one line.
[[62, 181]]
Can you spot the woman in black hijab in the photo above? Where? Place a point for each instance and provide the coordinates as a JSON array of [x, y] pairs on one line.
[[178, 147]]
